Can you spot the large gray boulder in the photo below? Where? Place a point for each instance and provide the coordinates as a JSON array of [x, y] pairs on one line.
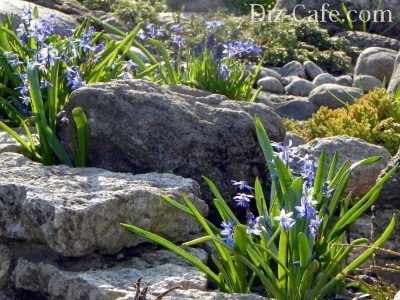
[[78, 211], [300, 87], [395, 81], [15, 8], [377, 62], [367, 83], [139, 127], [328, 95], [364, 177]]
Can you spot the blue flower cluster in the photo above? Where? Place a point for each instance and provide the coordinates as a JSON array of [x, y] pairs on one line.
[[35, 34], [306, 210]]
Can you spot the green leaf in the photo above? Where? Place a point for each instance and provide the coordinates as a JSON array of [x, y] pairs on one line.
[[172, 75], [319, 176], [304, 249], [308, 278], [83, 137], [167, 244]]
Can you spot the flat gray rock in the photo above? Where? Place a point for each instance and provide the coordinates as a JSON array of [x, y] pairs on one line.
[[78, 211], [139, 127], [161, 270], [312, 70], [293, 68]]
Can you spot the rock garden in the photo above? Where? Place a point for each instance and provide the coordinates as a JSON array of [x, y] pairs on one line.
[[178, 149]]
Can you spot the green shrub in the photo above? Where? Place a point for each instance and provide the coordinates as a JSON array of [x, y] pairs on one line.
[[302, 256], [375, 118]]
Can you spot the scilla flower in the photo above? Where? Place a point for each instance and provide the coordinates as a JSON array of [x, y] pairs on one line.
[[243, 200], [285, 220]]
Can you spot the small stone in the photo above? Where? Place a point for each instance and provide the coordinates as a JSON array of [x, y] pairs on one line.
[[367, 83], [324, 78], [300, 87], [271, 84], [266, 72], [325, 94], [297, 110], [312, 70], [345, 80], [293, 68], [377, 62]]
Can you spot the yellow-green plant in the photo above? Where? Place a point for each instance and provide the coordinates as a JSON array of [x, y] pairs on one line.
[[375, 118]]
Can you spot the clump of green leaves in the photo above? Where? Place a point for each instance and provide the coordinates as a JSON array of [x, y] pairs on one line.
[[38, 71], [294, 257], [375, 118]]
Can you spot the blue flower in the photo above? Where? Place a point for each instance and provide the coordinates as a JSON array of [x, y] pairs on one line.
[[153, 32], [325, 189], [228, 230], [231, 49], [198, 49], [224, 71], [141, 35], [243, 200], [126, 76], [24, 90], [296, 264], [283, 152], [46, 58], [178, 40], [85, 39], [210, 41], [214, 24], [176, 28], [308, 171], [306, 209], [74, 80], [249, 47], [314, 225], [129, 65], [253, 226], [285, 220], [242, 185]]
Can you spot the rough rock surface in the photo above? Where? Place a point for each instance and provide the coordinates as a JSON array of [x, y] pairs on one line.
[[395, 81], [297, 110], [9, 144], [345, 80], [78, 211], [363, 177], [325, 94], [377, 62], [16, 8], [138, 127], [5, 265], [101, 278], [388, 204]]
